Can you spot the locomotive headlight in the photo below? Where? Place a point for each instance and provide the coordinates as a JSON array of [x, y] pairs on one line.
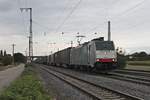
[[97, 60], [113, 59]]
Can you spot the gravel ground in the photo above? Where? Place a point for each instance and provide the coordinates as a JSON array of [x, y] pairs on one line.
[[10, 74], [138, 90], [59, 90]]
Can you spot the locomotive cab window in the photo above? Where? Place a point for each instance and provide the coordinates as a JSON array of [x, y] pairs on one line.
[[105, 45]]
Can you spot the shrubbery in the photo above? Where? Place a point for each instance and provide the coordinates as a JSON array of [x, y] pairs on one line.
[[7, 60], [122, 60], [19, 58]]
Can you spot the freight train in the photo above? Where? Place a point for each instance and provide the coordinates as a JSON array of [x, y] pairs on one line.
[[95, 54]]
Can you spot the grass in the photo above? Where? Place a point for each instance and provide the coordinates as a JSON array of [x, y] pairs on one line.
[[138, 65], [141, 63], [26, 87]]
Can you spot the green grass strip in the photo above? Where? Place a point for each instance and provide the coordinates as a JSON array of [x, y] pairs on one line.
[[142, 63], [26, 87]]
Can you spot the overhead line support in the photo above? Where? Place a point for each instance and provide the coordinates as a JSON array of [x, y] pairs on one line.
[[30, 58]]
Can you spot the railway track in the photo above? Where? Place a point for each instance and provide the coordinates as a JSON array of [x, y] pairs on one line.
[[131, 76], [96, 91], [133, 72]]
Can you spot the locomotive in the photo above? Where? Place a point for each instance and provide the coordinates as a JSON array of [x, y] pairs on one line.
[[95, 54]]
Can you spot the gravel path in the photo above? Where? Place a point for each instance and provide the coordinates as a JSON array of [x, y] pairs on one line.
[[8, 75], [5, 67]]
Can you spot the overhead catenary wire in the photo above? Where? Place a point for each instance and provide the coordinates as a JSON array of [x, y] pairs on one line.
[[107, 14], [121, 14], [63, 11], [68, 16], [128, 10], [35, 22]]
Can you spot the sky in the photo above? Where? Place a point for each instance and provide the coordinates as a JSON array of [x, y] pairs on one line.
[[130, 21]]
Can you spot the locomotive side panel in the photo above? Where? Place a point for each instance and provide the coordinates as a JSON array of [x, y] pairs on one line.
[[92, 53], [84, 55]]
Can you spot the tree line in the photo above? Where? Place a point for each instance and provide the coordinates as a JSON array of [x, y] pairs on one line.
[[138, 56], [7, 59]]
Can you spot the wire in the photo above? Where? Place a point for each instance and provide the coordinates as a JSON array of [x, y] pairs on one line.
[[129, 9], [107, 7], [95, 27], [63, 10], [35, 22], [122, 13], [69, 15]]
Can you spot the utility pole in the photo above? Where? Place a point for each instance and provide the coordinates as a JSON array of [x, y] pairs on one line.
[[71, 43], [13, 50], [109, 31], [26, 53], [51, 44], [31, 35]]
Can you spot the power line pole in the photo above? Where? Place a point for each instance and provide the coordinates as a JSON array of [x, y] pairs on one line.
[[13, 50], [71, 43], [26, 53], [31, 35], [79, 38]]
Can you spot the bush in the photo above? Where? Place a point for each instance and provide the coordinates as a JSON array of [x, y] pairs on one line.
[[122, 60], [19, 58], [7, 60]]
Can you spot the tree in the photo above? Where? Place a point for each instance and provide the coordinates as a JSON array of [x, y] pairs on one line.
[[140, 54], [143, 54], [121, 60], [5, 54], [1, 53], [19, 58], [7, 60]]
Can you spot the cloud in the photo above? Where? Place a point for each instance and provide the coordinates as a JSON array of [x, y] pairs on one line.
[[130, 27], [6, 6]]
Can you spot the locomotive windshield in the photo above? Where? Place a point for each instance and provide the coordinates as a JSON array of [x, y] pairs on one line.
[[104, 45]]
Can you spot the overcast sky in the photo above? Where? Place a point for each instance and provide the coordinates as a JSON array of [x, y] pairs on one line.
[[130, 23]]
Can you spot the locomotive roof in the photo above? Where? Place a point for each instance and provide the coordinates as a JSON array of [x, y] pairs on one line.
[[98, 39], [85, 43]]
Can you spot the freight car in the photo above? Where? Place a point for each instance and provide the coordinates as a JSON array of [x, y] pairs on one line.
[[62, 58], [95, 54]]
